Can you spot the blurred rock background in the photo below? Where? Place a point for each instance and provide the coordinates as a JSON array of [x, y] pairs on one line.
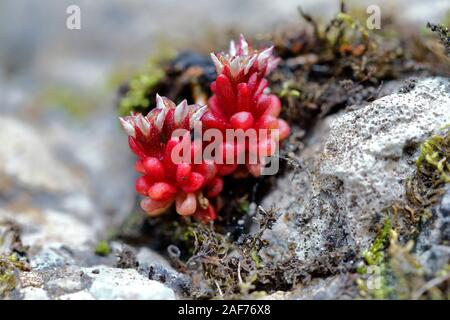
[[65, 173]]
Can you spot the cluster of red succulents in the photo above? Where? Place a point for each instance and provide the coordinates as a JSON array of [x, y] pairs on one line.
[[240, 101], [163, 181]]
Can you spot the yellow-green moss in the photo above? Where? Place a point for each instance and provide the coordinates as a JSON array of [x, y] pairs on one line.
[[136, 98], [400, 274], [435, 156], [375, 259], [102, 248], [244, 206], [9, 265], [7, 281], [140, 85], [375, 254]]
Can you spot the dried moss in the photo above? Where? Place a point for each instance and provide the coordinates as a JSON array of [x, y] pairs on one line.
[[443, 33], [126, 258], [13, 258], [330, 66], [223, 268]]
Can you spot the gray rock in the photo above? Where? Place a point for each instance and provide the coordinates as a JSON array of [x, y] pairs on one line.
[[50, 258], [145, 256], [338, 287], [48, 197], [59, 274], [356, 168], [53, 183], [32, 293], [113, 283], [445, 204], [100, 282], [28, 161], [433, 243], [80, 295]]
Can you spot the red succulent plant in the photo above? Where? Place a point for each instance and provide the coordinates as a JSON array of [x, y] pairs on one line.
[[163, 181], [241, 99]]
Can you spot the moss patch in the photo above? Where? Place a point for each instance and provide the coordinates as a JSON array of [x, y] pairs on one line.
[[374, 269], [140, 85], [7, 276], [13, 258], [102, 248], [434, 159], [10, 266], [389, 268]]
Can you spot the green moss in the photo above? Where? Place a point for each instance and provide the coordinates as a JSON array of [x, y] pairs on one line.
[[7, 277], [375, 266], [346, 31], [9, 266], [102, 248], [375, 255], [244, 206], [256, 258], [400, 275], [434, 156], [140, 85], [136, 98]]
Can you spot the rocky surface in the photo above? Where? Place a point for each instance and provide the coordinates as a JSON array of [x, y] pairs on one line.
[[58, 200], [338, 287], [432, 244], [87, 283], [65, 184], [355, 167], [52, 213]]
